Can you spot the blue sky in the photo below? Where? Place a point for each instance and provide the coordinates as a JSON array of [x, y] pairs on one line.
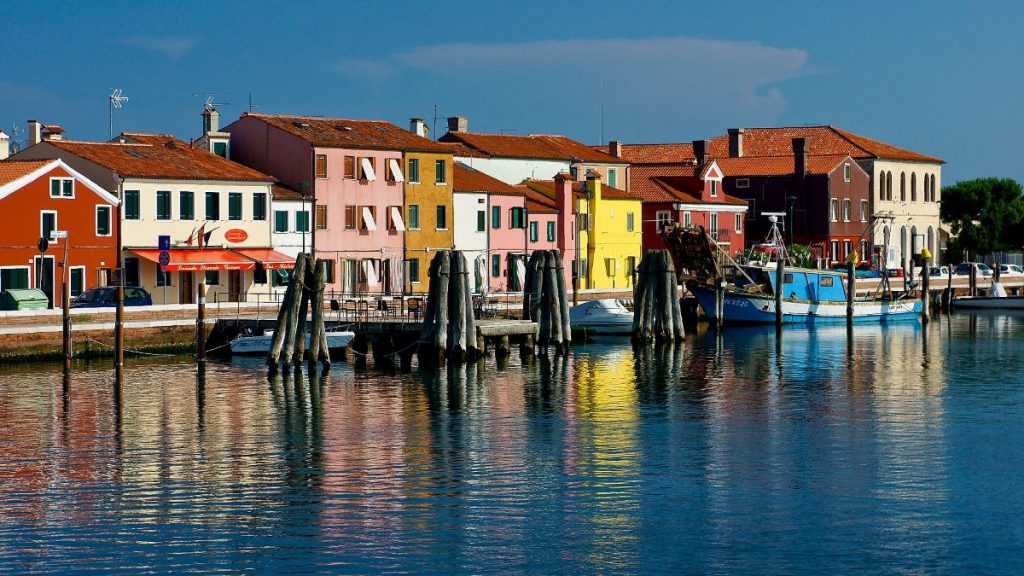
[[942, 78]]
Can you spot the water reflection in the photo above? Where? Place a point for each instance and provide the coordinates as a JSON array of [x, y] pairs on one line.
[[825, 447]]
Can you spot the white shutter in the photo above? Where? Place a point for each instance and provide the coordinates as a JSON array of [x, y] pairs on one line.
[[396, 217], [396, 171], [368, 219], [368, 169]]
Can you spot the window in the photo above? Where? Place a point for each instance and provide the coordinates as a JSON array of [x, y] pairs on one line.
[[351, 223], [739, 223], [162, 278], [320, 165], [163, 205], [630, 223], [13, 278], [613, 177], [212, 277], [442, 217], [881, 186], [495, 266], [787, 278], [517, 218], [827, 281], [131, 204], [414, 170], [834, 210], [440, 172], [584, 221], [302, 221], [903, 186], [328, 270], [714, 225], [846, 210], [186, 205], [62, 187], [280, 278], [369, 218], [220, 149], [414, 216], [368, 168], [913, 187], [259, 206], [551, 231], [847, 247], [846, 172], [834, 251], [47, 223], [213, 206], [259, 274], [495, 217], [663, 218], [234, 205], [630, 266], [280, 221], [534, 234], [888, 185], [350, 167], [395, 221], [103, 220], [392, 171], [481, 220], [752, 209], [714, 188], [743, 182], [687, 219], [76, 276], [321, 217], [414, 270], [863, 210]]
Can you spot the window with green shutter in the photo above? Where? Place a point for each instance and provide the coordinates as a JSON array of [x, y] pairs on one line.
[[131, 204], [234, 205], [518, 217], [414, 213], [186, 205], [213, 206], [259, 206], [163, 205], [551, 231], [302, 221], [280, 220], [533, 231], [14, 278], [442, 218], [495, 266], [481, 221], [495, 217], [103, 220]]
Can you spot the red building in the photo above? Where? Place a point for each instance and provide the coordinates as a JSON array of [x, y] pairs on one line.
[[38, 197]]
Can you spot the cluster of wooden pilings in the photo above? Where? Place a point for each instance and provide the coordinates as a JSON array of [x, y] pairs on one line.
[[545, 301], [657, 315], [449, 326], [304, 296]]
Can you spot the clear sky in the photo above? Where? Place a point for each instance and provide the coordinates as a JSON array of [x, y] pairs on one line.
[[942, 78]]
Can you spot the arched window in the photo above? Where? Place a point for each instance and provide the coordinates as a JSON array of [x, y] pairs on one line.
[[913, 187], [881, 185], [903, 186], [930, 241], [888, 185], [915, 248], [935, 195], [903, 246]]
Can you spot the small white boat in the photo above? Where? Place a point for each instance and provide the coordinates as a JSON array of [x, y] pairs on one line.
[[608, 316], [996, 300], [261, 344]]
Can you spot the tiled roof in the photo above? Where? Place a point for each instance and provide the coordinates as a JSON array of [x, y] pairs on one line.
[[655, 153], [687, 189], [777, 165], [11, 170], [160, 156], [467, 179], [346, 133], [281, 192], [461, 150], [545, 146], [581, 188], [821, 140], [641, 183], [536, 202]]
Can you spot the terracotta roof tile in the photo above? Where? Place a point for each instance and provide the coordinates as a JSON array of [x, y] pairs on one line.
[[655, 153], [641, 183], [467, 179], [777, 165], [821, 140], [580, 188], [461, 150], [11, 170], [537, 202], [546, 146], [687, 189], [281, 192], [347, 133], [160, 156]]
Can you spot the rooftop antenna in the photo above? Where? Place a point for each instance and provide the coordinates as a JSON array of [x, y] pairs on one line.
[[601, 141], [251, 105], [210, 105], [116, 99], [15, 139], [434, 127]]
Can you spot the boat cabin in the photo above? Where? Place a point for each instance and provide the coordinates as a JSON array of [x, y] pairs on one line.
[[799, 283]]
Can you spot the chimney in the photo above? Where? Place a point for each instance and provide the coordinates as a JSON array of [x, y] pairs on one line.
[[735, 142], [700, 152], [800, 156], [458, 124], [615, 148], [418, 127], [35, 132], [211, 120], [5, 145]]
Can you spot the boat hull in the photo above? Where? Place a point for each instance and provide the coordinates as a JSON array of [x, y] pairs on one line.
[[745, 308], [989, 302], [255, 345]]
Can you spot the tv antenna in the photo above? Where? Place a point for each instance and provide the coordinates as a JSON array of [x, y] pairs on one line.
[[15, 139], [251, 105], [210, 105], [116, 99]]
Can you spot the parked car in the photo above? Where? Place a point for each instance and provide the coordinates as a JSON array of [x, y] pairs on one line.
[[1010, 270], [106, 297], [964, 269], [933, 272]]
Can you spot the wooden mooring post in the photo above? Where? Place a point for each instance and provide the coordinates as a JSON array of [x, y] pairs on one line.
[[65, 310], [657, 315], [780, 275], [201, 325], [926, 256], [851, 289], [449, 324], [304, 293]]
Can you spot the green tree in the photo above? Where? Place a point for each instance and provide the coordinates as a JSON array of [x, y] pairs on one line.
[[984, 214]]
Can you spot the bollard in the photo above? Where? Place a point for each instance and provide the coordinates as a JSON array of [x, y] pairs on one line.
[[925, 275], [201, 325], [851, 289], [65, 308], [780, 273]]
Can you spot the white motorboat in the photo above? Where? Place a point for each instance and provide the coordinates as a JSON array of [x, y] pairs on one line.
[[261, 344], [997, 299], [608, 316]]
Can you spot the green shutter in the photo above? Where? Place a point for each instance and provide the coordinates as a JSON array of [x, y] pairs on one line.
[[496, 217], [55, 187]]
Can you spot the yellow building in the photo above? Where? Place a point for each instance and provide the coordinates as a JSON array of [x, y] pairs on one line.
[[429, 214]]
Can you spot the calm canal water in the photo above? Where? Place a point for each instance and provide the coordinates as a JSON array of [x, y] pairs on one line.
[[899, 451]]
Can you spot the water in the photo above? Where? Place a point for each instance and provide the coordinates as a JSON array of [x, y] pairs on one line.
[[897, 452]]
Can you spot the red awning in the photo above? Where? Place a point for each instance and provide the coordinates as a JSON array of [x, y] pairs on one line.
[[270, 258], [198, 259]]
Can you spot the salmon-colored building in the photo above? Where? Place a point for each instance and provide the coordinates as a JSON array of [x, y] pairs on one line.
[[38, 197]]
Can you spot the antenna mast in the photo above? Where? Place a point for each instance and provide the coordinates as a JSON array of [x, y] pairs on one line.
[[115, 100]]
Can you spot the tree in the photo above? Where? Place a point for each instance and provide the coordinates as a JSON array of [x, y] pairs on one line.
[[985, 215]]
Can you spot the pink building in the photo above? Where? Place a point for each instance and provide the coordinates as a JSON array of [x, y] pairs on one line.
[[353, 171]]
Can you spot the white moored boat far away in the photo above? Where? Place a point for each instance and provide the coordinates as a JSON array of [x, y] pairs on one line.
[[607, 316], [997, 299], [261, 344]]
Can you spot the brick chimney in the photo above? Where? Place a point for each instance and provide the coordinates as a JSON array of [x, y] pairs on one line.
[[615, 148], [735, 142], [800, 156], [5, 145], [458, 124], [418, 127], [700, 152], [35, 132]]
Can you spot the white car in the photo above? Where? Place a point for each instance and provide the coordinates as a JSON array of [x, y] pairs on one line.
[[1010, 270]]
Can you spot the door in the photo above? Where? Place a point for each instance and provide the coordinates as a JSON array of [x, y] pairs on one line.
[[44, 271], [131, 272], [235, 286], [186, 292]]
